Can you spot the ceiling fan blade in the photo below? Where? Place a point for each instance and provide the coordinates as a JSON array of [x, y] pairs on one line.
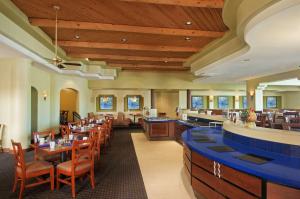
[[72, 63]]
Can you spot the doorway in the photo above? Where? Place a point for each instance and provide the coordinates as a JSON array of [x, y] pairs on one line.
[[34, 109], [68, 104]]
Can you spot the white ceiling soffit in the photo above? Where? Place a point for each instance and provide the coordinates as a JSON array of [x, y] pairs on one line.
[[17, 50], [288, 82], [274, 47]]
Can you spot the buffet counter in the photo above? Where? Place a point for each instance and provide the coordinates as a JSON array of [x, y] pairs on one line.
[[240, 162], [205, 117], [159, 128]]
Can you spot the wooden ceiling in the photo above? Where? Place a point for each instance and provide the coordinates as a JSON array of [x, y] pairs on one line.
[[131, 34]]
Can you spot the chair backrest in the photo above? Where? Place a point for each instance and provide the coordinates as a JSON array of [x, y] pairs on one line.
[[78, 152], [64, 129], [48, 133], [96, 135], [1, 131], [19, 157]]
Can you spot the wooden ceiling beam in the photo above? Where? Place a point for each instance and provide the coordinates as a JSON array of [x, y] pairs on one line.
[[124, 28], [145, 67], [126, 46], [130, 58], [191, 3]]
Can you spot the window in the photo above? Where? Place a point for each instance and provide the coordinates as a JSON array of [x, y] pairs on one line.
[[106, 103], [245, 103], [197, 102], [133, 103], [223, 102], [272, 102]]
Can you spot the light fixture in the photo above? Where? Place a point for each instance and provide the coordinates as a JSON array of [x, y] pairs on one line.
[[188, 23], [245, 60], [87, 59], [45, 95], [251, 92], [166, 61], [211, 98], [123, 40], [77, 37], [188, 39]]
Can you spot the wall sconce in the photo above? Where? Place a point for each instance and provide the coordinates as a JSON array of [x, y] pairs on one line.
[[237, 98], [251, 92], [211, 98], [45, 95]]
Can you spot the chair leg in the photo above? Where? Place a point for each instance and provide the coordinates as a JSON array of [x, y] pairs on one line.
[[92, 178], [15, 183], [22, 189], [57, 179], [52, 178], [73, 186]]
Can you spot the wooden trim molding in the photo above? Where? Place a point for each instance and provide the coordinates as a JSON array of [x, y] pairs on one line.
[[125, 57], [127, 46], [79, 25], [190, 3]]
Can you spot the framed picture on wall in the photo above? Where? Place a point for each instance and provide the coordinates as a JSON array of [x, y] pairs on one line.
[[223, 102], [197, 102], [271, 102], [133, 103], [106, 103]]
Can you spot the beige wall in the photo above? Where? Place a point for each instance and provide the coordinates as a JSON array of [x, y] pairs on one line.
[[166, 101], [68, 101], [17, 77], [292, 100], [158, 80], [120, 95]]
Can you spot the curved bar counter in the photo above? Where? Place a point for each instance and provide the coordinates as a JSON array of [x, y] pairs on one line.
[[238, 162]]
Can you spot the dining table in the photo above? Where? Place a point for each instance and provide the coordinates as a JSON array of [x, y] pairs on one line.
[[61, 149]]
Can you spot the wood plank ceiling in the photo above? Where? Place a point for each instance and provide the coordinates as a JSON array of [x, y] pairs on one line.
[[131, 34]]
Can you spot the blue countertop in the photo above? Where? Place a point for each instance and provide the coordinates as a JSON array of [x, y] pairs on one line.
[[282, 169], [158, 119]]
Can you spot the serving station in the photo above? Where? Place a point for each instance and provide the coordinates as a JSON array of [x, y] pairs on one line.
[[239, 162]]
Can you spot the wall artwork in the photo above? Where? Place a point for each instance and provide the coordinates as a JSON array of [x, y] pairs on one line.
[[197, 102], [223, 102]]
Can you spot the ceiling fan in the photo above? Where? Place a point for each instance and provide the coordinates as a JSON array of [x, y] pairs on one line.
[[56, 60]]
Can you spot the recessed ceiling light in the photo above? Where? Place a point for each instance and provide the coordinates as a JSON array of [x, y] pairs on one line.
[[245, 60], [77, 36], [187, 38], [188, 23], [166, 61], [123, 40], [87, 59]]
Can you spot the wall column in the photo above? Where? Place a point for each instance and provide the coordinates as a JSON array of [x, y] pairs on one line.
[[211, 102], [183, 99], [259, 102]]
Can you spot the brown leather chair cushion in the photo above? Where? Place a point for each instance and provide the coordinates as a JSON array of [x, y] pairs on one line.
[[35, 166], [67, 166]]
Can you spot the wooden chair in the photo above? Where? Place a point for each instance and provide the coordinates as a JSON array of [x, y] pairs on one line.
[[97, 135], [1, 135], [25, 171], [64, 130], [79, 166]]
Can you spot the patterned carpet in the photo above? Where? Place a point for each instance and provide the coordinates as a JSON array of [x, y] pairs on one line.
[[117, 175]]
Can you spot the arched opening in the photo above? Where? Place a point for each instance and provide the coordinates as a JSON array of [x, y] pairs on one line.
[[34, 109], [68, 104]]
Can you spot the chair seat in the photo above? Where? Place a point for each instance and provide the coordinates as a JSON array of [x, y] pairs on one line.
[[67, 166], [36, 167]]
